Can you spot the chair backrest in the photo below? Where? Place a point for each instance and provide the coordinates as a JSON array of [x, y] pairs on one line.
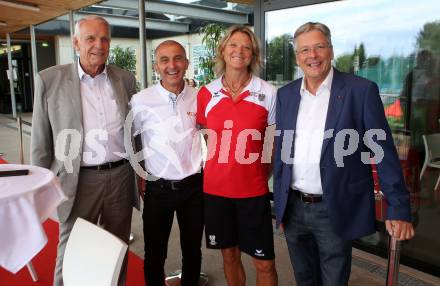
[[432, 146], [93, 256]]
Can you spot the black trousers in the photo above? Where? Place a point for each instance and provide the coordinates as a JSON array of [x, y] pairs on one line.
[[160, 204]]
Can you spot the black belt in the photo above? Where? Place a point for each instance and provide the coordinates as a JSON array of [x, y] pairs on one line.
[[106, 166], [307, 198], [177, 184]]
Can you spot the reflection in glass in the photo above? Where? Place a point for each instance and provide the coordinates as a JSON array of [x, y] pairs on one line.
[[397, 45], [280, 59]]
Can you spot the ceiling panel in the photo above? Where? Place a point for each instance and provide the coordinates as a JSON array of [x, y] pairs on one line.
[[17, 19]]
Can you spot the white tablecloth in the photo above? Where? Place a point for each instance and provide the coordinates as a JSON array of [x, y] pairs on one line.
[[25, 202]]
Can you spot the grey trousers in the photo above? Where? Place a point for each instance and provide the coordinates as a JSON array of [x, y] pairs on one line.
[[107, 196]]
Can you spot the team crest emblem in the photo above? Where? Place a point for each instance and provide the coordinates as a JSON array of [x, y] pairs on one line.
[[212, 240], [259, 252], [260, 96]]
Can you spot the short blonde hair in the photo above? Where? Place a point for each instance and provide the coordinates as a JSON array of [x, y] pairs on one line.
[[220, 64]]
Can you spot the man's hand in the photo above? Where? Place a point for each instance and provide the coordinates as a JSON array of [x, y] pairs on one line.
[[142, 187], [399, 229]]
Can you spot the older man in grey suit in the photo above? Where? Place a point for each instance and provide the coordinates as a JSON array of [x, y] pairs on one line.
[[77, 132]]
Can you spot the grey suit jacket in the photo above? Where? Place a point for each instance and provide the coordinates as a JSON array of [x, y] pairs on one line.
[[57, 110]]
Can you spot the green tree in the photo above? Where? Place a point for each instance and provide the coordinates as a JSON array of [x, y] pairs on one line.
[[280, 58], [212, 34], [429, 37], [344, 63], [373, 61], [359, 57], [362, 55], [123, 58], [351, 62]]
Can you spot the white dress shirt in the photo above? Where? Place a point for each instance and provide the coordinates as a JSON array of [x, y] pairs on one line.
[[102, 123], [167, 123], [309, 136]]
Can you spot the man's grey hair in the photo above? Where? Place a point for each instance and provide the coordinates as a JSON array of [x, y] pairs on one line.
[[89, 18], [312, 26]]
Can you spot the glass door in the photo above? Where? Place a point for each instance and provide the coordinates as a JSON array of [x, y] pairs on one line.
[[397, 45]]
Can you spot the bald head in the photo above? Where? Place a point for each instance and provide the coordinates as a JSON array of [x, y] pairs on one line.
[[168, 43]]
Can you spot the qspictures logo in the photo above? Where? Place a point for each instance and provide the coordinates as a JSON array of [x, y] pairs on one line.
[[345, 143]]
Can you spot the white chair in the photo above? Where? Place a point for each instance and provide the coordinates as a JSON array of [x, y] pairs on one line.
[[93, 256], [432, 154]]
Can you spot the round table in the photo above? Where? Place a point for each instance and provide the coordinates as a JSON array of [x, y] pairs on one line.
[[25, 202]]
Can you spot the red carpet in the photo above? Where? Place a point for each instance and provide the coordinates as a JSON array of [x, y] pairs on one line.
[[44, 264]]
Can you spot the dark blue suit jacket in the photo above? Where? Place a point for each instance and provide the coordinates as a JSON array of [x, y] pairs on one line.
[[348, 191]]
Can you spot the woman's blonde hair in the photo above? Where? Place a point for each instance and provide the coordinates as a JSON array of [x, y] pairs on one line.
[[255, 65]]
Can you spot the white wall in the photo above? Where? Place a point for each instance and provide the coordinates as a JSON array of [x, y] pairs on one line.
[[63, 50]]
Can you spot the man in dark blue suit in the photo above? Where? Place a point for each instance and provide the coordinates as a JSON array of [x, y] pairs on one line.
[[331, 128]]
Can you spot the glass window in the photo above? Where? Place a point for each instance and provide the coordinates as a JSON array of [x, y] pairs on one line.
[[199, 51], [397, 45], [155, 77]]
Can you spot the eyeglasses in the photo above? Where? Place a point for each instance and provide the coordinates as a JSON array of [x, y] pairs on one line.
[[318, 48]]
